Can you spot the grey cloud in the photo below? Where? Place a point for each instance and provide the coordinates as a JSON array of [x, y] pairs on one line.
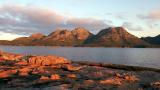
[[131, 26], [119, 15], [152, 18], [152, 15], [28, 19]]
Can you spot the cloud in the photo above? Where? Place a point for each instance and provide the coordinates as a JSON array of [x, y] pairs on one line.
[[132, 27], [9, 36], [25, 20], [88, 23], [119, 15], [152, 18], [152, 15]]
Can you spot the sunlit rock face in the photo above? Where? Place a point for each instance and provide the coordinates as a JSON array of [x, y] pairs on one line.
[[81, 33], [60, 37], [67, 37], [10, 56], [8, 73], [37, 36], [47, 60]]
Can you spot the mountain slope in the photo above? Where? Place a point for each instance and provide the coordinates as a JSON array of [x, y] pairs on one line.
[[114, 37], [81, 34], [67, 37], [28, 40], [60, 38], [152, 40]]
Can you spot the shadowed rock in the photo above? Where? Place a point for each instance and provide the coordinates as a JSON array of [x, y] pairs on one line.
[[156, 84]]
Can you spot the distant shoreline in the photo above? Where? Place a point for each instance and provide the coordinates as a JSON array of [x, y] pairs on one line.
[[79, 46]]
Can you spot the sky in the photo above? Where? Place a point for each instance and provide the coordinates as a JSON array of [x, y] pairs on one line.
[[24, 17]]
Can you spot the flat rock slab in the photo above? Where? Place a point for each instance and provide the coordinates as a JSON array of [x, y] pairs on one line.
[[47, 60]]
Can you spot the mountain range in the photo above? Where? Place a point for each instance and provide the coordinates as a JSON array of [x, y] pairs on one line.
[[152, 40], [109, 37]]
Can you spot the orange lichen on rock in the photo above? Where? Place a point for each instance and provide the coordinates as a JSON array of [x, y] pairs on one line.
[[127, 77], [47, 60], [25, 71], [131, 78], [8, 73], [118, 79], [10, 56], [55, 77], [44, 78], [70, 67], [22, 63], [71, 76], [112, 81]]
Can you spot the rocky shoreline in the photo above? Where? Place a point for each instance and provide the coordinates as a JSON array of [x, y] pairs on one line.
[[21, 72]]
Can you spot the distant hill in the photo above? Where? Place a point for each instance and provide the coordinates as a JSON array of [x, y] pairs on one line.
[[110, 37], [115, 37], [67, 37], [152, 40], [27, 40], [5, 42], [61, 37]]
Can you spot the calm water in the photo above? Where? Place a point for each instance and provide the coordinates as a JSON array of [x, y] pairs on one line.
[[149, 57]]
